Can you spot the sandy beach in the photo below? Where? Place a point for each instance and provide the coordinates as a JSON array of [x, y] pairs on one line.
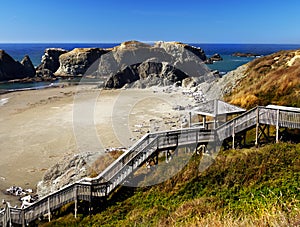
[[37, 126]]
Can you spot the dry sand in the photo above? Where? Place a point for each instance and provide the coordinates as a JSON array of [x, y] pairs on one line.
[[37, 129]]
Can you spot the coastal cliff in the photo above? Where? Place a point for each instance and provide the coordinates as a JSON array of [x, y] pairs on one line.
[[273, 79]]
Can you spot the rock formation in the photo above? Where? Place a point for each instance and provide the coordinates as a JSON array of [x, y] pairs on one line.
[[50, 62], [77, 61], [149, 74], [11, 69], [178, 48], [29, 70], [164, 63], [66, 171], [214, 58], [238, 54]]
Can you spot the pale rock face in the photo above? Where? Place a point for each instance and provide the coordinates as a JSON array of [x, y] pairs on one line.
[[67, 171], [222, 86], [77, 61], [293, 59]]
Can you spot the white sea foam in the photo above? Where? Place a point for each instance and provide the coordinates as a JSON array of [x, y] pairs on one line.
[[3, 101]]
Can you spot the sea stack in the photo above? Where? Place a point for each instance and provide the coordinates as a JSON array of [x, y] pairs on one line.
[[29, 70], [50, 62], [11, 69]]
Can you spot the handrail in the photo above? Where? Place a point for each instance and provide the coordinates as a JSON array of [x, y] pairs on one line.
[[129, 161]]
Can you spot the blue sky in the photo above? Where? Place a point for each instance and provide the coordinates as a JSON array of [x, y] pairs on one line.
[[202, 21]]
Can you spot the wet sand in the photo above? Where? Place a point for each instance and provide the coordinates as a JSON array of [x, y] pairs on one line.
[[37, 127]]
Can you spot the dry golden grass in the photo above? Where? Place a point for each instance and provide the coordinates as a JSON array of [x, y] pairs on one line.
[[274, 79]]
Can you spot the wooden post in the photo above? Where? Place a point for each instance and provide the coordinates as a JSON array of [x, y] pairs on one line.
[[233, 135], [76, 201], [49, 211], [215, 112], [257, 127], [167, 156], [23, 218], [9, 215], [277, 126], [90, 201]]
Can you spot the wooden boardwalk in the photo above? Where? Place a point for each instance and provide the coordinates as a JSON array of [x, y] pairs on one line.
[[148, 147]]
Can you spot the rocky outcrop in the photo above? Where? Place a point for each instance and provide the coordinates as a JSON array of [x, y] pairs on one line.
[[11, 69], [223, 86], [29, 70], [77, 61], [214, 58], [178, 48], [66, 171], [50, 62], [164, 63], [238, 54], [149, 74], [50, 59]]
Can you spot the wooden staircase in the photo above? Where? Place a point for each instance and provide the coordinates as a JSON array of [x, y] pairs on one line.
[[147, 147]]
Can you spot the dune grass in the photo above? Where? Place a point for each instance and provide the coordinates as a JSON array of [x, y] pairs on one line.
[[274, 79]]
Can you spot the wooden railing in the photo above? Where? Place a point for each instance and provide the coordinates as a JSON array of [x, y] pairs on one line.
[[101, 186]]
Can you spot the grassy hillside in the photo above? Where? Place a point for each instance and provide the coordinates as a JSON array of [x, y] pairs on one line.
[[245, 187], [274, 79]]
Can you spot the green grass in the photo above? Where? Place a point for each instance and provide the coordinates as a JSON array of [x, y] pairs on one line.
[[247, 187]]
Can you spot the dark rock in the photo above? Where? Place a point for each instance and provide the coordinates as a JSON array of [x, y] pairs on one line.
[[149, 74], [125, 76], [238, 54], [208, 61], [29, 70], [44, 73], [11, 69], [50, 62], [50, 59], [214, 58]]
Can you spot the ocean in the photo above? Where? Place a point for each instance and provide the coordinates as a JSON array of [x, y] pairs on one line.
[[36, 51]]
